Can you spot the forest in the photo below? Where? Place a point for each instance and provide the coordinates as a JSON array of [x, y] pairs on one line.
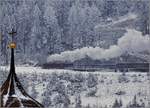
[[46, 27]]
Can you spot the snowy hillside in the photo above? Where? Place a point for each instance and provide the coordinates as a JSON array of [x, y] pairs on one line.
[[68, 89]]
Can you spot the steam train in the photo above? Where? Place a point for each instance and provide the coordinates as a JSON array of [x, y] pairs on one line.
[[122, 67]]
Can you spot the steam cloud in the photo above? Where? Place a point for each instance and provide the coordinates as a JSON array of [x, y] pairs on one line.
[[132, 41]]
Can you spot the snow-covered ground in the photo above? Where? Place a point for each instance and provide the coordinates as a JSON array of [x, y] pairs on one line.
[[108, 86]]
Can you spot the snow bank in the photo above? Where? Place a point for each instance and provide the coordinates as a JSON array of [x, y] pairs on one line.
[[132, 41]]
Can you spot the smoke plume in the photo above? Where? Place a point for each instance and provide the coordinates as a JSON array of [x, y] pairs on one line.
[[132, 41]]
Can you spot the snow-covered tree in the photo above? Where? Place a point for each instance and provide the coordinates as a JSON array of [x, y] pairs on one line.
[[47, 99], [82, 19], [78, 103], [117, 104], [3, 75], [75, 19], [34, 92], [36, 35], [62, 8], [23, 15], [92, 80], [54, 33]]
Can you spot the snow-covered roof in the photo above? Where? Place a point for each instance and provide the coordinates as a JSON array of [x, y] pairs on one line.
[[12, 94]]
